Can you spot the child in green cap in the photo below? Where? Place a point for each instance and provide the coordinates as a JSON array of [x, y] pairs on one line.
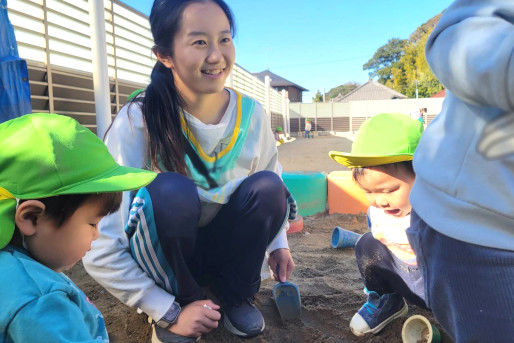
[[57, 180], [279, 135], [381, 161]]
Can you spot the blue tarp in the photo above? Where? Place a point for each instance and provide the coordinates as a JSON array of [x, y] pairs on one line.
[[14, 76]]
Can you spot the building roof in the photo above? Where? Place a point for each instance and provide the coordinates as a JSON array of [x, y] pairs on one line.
[[277, 81], [371, 90], [440, 94]]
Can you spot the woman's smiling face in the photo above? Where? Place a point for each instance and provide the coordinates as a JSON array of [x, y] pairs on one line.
[[203, 50]]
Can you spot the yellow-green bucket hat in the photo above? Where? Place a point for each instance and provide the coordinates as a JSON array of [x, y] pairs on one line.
[[383, 139], [45, 155]]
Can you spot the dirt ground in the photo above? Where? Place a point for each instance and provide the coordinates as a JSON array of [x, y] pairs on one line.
[[329, 281]]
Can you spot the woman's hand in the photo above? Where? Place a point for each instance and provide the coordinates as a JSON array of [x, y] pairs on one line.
[[196, 319], [281, 263]]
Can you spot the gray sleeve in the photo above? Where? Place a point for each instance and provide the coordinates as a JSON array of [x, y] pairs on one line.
[[471, 51]]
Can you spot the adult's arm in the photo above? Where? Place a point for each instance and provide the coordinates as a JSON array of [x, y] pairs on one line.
[[471, 51], [109, 262], [269, 161]]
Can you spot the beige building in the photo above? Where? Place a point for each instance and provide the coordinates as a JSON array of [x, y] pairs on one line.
[[293, 90], [371, 90]]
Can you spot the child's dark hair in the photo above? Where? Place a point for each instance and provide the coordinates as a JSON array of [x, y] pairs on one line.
[[161, 103], [407, 165], [61, 207]]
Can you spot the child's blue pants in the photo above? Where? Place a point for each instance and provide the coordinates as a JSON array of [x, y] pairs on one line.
[[384, 273], [470, 288]]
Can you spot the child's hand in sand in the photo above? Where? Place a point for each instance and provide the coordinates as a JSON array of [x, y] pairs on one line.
[[282, 259], [197, 318]]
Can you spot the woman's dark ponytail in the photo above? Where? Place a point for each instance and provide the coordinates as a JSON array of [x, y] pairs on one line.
[[161, 108]]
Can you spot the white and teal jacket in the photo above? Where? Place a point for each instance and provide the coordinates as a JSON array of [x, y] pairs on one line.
[[464, 162], [243, 144]]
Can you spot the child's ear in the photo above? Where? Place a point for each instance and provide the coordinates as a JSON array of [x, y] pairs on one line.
[[27, 216]]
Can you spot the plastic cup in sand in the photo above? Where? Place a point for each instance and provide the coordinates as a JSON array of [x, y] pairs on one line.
[[342, 238], [418, 329]]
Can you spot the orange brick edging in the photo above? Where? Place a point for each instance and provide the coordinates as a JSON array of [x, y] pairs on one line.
[[295, 225], [344, 195]]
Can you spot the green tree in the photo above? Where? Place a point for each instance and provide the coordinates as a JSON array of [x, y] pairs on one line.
[[412, 71], [385, 58], [318, 97], [425, 28], [341, 90], [406, 70]]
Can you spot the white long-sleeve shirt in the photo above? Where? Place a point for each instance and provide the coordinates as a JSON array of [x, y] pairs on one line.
[[110, 261]]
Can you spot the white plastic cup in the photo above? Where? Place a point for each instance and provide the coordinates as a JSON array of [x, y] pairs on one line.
[[417, 329], [342, 238]]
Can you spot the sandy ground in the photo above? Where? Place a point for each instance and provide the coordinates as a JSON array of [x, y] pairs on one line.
[[328, 279]]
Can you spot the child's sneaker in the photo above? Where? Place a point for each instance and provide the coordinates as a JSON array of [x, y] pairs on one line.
[[243, 319], [377, 312]]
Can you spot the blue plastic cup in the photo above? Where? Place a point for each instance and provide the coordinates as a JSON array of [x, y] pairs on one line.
[[342, 238]]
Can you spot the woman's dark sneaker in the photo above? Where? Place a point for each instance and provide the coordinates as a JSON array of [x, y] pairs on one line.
[[243, 319]]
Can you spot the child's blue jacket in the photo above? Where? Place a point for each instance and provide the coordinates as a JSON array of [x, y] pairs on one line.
[[40, 305]]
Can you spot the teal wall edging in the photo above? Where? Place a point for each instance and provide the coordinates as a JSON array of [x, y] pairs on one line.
[[309, 191]]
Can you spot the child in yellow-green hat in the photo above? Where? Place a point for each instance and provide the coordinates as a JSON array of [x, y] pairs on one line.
[[381, 161], [279, 135], [57, 180]]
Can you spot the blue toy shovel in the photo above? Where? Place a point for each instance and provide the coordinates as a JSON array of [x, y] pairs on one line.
[[287, 298]]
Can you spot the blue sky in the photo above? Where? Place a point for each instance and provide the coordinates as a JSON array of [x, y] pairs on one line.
[[318, 44]]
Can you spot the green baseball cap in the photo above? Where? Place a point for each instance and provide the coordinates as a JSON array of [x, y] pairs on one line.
[[383, 139], [45, 155]]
